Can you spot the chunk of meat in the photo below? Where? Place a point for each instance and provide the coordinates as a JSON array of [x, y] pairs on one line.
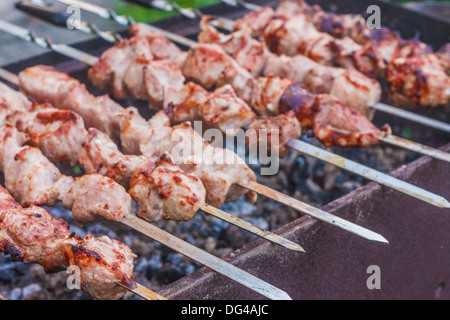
[[335, 124], [250, 53], [150, 80], [224, 110], [166, 192], [285, 126], [32, 235], [159, 46], [266, 94], [443, 54], [57, 133], [220, 170], [12, 100], [357, 91], [210, 66], [46, 84], [102, 262], [30, 176], [255, 21], [332, 122], [99, 154], [94, 197], [417, 81], [185, 104]]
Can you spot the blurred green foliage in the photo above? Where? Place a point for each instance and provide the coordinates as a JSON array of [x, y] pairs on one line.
[[141, 14]]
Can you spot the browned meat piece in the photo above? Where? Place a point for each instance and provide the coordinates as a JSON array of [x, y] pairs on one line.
[[99, 154], [220, 170], [224, 110], [166, 192], [32, 235], [338, 25], [45, 84], [357, 91], [417, 81], [11, 141], [102, 262], [12, 100], [133, 130], [287, 35], [108, 72], [94, 197], [250, 53], [57, 133], [298, 68], [140, 67], [150, 80], [255, 21], [185, 104], [266, 94], [159, 46], [136, 132], [296, 35], [30, 178], [333, 123], [286, 126], [7, 202], [210, 66], [413, 47], [350, 86], [29, 175]]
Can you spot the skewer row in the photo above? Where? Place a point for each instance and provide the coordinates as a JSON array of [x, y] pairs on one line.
[[381, 178]]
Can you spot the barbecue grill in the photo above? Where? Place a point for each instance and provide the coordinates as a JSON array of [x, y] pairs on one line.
[[415, 263]]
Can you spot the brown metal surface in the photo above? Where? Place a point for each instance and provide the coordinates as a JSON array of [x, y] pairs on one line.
[[415, 264]]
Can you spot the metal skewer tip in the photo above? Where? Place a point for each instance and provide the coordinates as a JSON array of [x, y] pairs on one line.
[[416, 147], [141, 291], [436, 124], [370, 174], [316, 212], [270, 236]]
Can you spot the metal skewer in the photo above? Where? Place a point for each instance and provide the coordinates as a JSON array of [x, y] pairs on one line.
[[228, 25], [205, 258], [141, 291], [61, 18]]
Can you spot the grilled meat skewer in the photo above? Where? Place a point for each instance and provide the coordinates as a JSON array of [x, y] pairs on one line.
[[97, 153], [32, 235], [350, 86], [263, 94], [33, 83], [161, 189], [291, 29]]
